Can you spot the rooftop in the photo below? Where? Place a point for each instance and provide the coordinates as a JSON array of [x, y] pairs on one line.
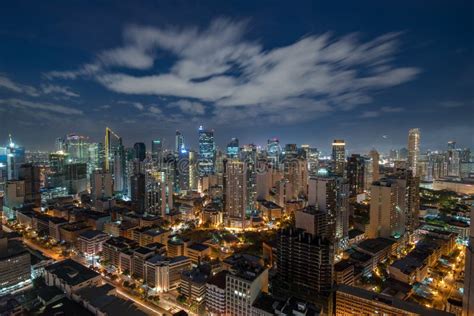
[[198, 247], [390, 301], [375, 245], [219, 279], [91, 234], [71, 272]]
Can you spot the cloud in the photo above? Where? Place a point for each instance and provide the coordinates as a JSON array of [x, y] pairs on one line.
[[188, 107], [55, 89], [136, 105], [85, 70], [155, 110], [103, 107], [382, 110], [451, 104], [9, 84], [240, 78], [47, 107]]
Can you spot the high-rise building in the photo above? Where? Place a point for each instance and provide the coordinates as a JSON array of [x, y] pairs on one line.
[[304, 264], [356, 174], [413, 149], [274, 152], [468, 295], [207, 152], [15, 265], [137, 187], [101, 185], [244, 282], [331, 195], [296, 172], [387, 209], [114, 160], [179, 142], [453, 156], [193, 170], [157, 152], [140, 151], [374, 158], [158, 194], [30, 174], [15, 158], [77, 148], [236, 193], [312, 158], [233, 148], [338, 157]]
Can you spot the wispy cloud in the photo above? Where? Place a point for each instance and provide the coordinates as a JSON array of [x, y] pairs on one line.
[[139, 106], [188, 107], [47, 107], [379, 112], [9, 84], [241, 79], [451, 104], [60, 90]]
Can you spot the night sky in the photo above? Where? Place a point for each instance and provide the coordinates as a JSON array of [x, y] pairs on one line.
[[303, 71]]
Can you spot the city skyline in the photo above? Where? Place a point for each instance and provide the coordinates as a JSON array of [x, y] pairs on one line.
[[148, 71]]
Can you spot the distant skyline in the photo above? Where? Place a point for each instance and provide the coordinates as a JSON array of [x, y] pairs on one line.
[[306, 73]]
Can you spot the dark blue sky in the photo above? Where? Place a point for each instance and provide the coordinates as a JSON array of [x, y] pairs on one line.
[[305, 72]]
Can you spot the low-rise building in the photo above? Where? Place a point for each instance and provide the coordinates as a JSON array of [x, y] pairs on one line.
[[15, 265], [193, 283], [70, 276], [196, 252], [215, 294], [163, 274], [91, 242], [356, 301], [71, 231], [344, 272]]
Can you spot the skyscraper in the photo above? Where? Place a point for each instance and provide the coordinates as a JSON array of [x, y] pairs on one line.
[[30, 174], [355, 174], [387, 208], [233, 148], [77, 147], [413, 149], [140, 151], [207, 152], [179, 142], [375, 157], [137, 184], [338, 157], [236, 193], [157, 152], [274, 152], [15, 158], [114, 160]]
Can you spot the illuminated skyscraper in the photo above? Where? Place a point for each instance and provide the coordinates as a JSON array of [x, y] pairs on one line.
[[193, 172], [207, 152], [274, 151], [233, 148], [356, 174], [236, 193], [179, 142], [338, 157], [413, 149], [157, 152], [30, 174], [114, 160], [77, 148], [15, 158]]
